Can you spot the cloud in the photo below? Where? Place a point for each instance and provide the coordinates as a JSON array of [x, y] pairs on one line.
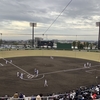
[[78, 18]]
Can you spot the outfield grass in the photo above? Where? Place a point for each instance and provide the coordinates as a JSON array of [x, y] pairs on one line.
[[63, 53]]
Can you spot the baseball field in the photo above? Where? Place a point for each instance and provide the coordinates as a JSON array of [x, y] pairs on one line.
[[63, 70]]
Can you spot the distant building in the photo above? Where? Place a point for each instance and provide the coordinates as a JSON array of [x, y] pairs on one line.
[[37, 39]]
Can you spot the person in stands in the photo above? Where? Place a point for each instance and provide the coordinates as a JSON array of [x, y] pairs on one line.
[[16, 95], [38, 97], [21, 96]]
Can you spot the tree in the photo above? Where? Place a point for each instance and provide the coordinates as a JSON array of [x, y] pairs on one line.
[[78, 44], [91, 45], [0, 42], [84, 44], [87, 44], [81, 46], [74, 44]]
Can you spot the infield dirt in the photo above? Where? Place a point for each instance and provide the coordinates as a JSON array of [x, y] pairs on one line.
[[55, 70]]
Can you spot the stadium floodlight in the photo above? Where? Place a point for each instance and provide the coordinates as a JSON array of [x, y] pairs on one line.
[[98, 25], [1, 39], [33, 25]]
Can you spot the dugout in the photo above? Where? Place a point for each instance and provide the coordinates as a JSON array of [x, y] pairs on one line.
[[64, 46]]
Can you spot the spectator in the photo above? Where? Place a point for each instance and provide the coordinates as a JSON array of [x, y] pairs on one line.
[[97, 89], [38, 97], [33, 98], [21, 96], [16, 95], [94, 95]]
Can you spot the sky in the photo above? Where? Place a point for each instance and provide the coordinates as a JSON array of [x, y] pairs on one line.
[[76, 22]]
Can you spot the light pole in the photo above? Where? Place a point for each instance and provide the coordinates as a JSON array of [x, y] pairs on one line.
[[1, 39], [76, 46], [98, 24], [33, 39]]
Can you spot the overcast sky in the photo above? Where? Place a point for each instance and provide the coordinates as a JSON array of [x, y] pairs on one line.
[[79, 18]]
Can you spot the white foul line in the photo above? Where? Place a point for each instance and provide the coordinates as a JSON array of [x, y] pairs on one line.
[[16, 66], [68, 70]]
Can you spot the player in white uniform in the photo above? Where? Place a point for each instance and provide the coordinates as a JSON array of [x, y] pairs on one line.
[[17, 74], [51, 57], [84, 65], [6, 61], [21, 76], [10, 61], [37, 72], [45, 83]]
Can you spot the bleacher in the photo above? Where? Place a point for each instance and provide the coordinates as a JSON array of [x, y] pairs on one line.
[[83, 93]]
